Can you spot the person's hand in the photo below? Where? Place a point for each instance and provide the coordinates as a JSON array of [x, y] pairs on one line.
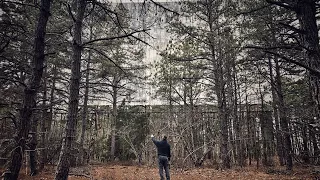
[[152, 136]]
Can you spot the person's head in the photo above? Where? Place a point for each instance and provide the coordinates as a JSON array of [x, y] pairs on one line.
[[164, 138]]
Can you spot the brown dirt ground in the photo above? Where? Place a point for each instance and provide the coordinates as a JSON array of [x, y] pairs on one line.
[[120, 172]]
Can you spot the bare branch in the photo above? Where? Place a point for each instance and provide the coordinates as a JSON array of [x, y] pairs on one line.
[[268, 50], [115, 37], [253, 10], [291, 27], [281, 4], [274, 47], [165, 8], [13, 80], [144, 42], [20, 3], [70, 13], [313, 71], [104, 84], [5, 45], [104, 55]]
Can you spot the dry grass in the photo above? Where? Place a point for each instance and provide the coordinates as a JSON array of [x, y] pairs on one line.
[[121, 172]]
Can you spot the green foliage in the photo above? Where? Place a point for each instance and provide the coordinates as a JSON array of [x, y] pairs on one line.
[[101, 148], [298, 99], [180, 71], [133, 128], [297, 92], [118, 61]]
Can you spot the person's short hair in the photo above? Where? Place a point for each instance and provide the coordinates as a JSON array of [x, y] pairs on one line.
[[164, 137]]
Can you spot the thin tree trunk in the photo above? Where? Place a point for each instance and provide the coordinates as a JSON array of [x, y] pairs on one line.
[[263, 129], [85, 109], [249, 130], [114, 118], [51, 103], [193, 134], [32, 144], [44, 119], [47, 122], [85, 104], [275, 114], [30, 93], [220, 92], [305, 151], [237, 121], [313, 139], [284, 121], [223, 120], [70, 131]]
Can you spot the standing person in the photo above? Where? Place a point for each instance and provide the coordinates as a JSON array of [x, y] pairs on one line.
[[163, 156]]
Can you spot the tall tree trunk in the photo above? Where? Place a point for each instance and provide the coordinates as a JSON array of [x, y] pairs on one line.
[[47, 117], [249, 128], [313, 139], [44, 119], [266, 126], [114, 117], [305, 151], [32, 144], [275, 114], [306, 13], [219, 89], [70, 131], [85, 109], [284, 121], [85, 104], [263, 128], [51, 103], [223, 119], [30, 93], [230, 100], [237, 121]]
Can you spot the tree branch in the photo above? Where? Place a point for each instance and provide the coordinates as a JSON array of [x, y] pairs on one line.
[[253, 10], [313, 71], [20, 3], [13, 80], [115, 37], [267, 50], [104, 55], [160, 5], [2, 49], [281, 4], [70, 13], [291, 27]]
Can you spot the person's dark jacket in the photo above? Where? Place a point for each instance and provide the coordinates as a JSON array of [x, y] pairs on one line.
[[163, 148]]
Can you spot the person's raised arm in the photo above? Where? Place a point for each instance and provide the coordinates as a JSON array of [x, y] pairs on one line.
[[153, 139]]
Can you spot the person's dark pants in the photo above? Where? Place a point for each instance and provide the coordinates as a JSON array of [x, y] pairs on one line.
[[164, 164]]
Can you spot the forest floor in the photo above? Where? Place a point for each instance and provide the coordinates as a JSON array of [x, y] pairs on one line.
[[122, 172]]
